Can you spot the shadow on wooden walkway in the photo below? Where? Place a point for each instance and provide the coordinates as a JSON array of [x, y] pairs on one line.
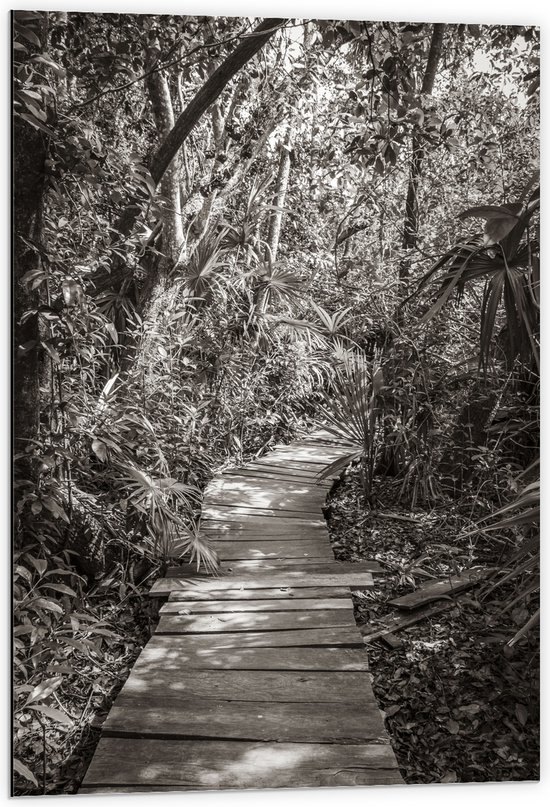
[[257, 678]]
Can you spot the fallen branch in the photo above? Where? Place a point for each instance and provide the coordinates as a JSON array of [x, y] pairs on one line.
[[441, 588], [399, 518], [396, 622]]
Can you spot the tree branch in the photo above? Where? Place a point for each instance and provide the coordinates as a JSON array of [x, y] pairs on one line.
[[208, 93], [250, 44]]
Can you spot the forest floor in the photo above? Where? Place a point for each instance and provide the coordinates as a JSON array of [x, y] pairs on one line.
[[87, 697], [459, 705]]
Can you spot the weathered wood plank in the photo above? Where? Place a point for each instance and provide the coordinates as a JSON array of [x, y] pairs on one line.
[[171, 622], [235, 568], [273, 686], [268, 496], [257, 518], [333, 568], [310, 454], [267, 487], [237, 581], [441, 588], [221, 530], [220, 510], [263, 565], [265, 524], [401, 620], [308, 473], [178, 654], [290, 506], [269, 594], [262, 474], [142, 716], [244, 554], [179, 606], [281, 550], [325, 443], [347, 636], [187, 765]]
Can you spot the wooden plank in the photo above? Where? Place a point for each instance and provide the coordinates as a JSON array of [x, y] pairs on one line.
[[278, 476], [334, 567], [345, 445], [258, 529], [220, 530], [261, 549], [269, 594], [308, 454], [293, 556], [257, 518], [441, 588], [238, 581], [402, 620], [286, 460], [180, 655], [263, 524], [287, 505], [230, 567], [248, 484], [142, 716], [235, 568], [258, 686], [171, 622], [266, 493], [347, 636], [179, 606], [219, 510], [308, 473], [218, 765]]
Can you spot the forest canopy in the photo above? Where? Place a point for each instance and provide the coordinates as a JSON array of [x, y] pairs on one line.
[[226, 230]]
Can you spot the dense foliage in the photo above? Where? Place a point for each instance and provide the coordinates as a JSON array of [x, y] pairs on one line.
[[221, 235]]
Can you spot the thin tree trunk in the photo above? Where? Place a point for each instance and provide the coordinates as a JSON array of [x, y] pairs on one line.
[[410, 229], [279, 198], [161, 102], [208, 93]]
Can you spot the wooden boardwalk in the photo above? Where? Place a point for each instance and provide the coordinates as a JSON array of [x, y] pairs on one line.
[[257, 678]]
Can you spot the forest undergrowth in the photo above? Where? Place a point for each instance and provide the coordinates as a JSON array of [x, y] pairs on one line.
[[112, 618], [460, 705]]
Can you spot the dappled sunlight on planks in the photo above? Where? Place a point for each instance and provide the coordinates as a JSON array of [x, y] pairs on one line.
[[254, 677], [228, 765]]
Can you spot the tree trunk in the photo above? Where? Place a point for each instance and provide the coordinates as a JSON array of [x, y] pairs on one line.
[[185, 124], [28, 176], [410, 229], [279, 198], [161, 102], [208, 93]]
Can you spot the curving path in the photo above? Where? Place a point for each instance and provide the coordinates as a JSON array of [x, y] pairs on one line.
[[257, 678]]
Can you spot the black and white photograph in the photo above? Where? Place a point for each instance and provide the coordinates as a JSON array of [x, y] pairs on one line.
[[275, 403]]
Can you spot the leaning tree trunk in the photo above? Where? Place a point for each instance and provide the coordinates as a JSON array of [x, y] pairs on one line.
[[118, 278]]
